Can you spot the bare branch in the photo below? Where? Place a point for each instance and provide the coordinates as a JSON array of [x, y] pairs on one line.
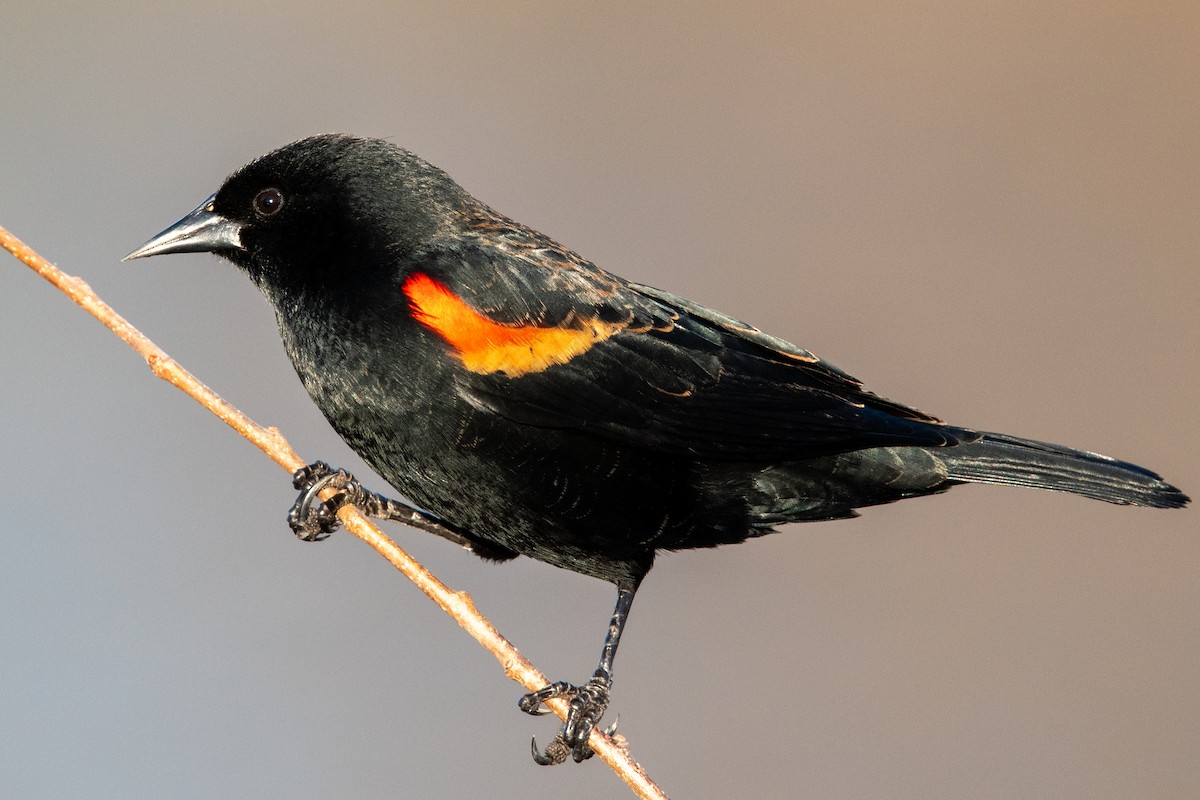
[[611, 750]]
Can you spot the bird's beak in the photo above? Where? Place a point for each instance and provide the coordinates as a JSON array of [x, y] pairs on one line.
[[202, 231]]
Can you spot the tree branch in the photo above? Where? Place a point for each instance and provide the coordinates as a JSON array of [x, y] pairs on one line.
[[612, 750]]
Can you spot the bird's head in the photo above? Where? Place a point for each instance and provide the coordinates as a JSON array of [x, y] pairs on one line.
[[304, 214]]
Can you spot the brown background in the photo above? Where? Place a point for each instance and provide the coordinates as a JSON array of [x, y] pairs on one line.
[[987, 210]]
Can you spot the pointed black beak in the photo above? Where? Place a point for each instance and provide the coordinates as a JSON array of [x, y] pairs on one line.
[[202, 231]]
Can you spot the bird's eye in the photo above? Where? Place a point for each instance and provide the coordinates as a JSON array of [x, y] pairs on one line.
[[268, 202]]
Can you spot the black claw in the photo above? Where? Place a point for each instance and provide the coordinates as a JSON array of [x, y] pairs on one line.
[[588, 704], [532, 702], [310, 494], [309, 519], [556, 752]]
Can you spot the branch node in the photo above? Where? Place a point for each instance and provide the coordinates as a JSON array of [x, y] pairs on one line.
[[463, 599]]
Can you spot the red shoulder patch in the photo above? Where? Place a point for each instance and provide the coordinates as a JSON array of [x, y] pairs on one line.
[[486, 346]]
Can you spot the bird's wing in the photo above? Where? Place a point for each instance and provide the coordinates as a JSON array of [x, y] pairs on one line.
[[547, 339]]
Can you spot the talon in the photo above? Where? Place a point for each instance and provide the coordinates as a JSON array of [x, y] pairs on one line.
[[532, 703], [612, 729], [310, 494], [556, 752], [309, 523], [588, 703]]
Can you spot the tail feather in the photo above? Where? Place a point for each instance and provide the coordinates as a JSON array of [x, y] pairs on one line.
[[997, 458]]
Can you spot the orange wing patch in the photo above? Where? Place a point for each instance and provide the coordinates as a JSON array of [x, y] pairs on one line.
[[485, 346]]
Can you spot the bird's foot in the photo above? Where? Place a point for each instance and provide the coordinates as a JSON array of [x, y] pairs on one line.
[[588, 703], [311, 520]]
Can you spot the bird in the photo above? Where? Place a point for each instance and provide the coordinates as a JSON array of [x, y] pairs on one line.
[[535, 404]]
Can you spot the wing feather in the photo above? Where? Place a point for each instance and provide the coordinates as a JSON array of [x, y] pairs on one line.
[[675, 376]]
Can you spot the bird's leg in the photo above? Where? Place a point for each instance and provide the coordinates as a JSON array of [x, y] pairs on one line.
[[588, 702], [312, 520]]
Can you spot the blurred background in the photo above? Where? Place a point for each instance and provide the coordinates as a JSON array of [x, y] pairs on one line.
[[986, 210]]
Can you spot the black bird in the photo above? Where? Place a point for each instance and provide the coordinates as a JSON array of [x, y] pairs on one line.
[[540, 406]]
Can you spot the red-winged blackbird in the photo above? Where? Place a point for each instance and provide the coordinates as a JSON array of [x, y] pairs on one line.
[[540, 406]]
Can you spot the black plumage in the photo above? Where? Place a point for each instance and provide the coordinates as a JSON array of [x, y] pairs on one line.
[[541, 406]]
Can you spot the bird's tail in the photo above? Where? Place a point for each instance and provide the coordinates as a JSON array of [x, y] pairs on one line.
[[997, 458]]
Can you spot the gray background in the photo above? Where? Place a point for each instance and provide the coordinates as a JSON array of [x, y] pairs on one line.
[[986, 210]]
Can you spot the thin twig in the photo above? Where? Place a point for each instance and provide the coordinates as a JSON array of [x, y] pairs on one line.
[[611, 750]]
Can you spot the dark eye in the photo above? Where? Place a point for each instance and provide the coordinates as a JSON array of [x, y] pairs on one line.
[[268, 202]]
